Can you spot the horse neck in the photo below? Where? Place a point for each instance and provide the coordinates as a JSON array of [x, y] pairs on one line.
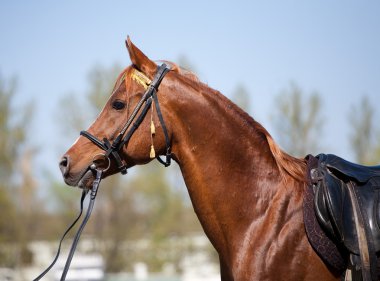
[[226, 160]]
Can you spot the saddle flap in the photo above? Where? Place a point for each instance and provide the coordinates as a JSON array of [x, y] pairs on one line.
[[359, 173], [339, 207], [333, 204]]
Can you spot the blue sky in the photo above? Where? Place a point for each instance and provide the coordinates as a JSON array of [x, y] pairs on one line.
[[332, 47]]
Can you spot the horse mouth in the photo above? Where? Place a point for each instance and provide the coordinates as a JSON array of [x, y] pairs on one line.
[[81, 180], [86, 180]]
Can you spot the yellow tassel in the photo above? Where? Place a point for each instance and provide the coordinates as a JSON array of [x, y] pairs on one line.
[[152, 128], [140, 78], [152, 152]]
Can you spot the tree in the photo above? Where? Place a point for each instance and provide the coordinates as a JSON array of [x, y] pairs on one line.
[[364, 137], [14, 153], [78, 112], [241, 97], [298, 122], [11, 138], [12, 131]]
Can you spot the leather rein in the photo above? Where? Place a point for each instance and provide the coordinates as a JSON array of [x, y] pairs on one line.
[[98, 176], [113, 149]]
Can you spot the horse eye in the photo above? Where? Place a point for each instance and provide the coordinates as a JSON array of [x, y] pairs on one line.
[[118, 105]]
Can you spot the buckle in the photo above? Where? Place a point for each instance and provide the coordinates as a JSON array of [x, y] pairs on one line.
[[123, 170], [315, 175], [98, 159]]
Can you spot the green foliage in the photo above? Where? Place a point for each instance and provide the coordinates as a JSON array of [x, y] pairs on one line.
[[8, 230], [162, 203], [12, 134], [11, 138], [241, 97], [15, 156], [365, 136], [76, 113], [298, 122], [101, 83]]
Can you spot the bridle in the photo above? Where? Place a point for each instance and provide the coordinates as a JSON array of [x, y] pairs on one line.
[[113, 150]]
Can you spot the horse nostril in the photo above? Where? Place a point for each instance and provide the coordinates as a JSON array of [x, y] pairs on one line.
[[64, 165]]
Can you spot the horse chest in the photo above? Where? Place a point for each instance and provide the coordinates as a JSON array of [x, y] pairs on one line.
[[275, 251]]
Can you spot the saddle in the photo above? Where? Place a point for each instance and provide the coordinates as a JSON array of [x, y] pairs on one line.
[[347, 207]]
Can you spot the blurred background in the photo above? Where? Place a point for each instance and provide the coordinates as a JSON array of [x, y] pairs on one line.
[[309, 71]]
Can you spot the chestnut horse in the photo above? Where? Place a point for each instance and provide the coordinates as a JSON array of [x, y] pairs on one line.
[[246, 192]]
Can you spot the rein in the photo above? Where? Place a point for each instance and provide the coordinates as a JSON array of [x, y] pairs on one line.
[[74, 244], [113, 149]]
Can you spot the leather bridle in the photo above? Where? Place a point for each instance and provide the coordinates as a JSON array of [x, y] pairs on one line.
[[113, 149]]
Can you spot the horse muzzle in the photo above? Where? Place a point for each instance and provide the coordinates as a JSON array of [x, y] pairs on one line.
[[85, 177]]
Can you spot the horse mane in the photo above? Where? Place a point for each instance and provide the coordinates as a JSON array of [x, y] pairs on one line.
[[287, 164], [295, 167]]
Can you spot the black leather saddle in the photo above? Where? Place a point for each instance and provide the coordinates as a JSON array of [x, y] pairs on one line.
[[347, 206]]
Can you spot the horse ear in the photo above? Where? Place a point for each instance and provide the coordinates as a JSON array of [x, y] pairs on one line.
[[139, 59]]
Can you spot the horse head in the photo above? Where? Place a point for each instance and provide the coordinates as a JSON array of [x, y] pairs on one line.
[[130, 130]]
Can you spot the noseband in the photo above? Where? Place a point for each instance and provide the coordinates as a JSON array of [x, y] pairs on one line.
[[113, 149]]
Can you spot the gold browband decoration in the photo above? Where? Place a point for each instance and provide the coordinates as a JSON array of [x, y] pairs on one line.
[[140, 78], [144, 81]]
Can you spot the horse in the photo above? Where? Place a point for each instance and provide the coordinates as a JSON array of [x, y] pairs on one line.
[[246, 192]]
